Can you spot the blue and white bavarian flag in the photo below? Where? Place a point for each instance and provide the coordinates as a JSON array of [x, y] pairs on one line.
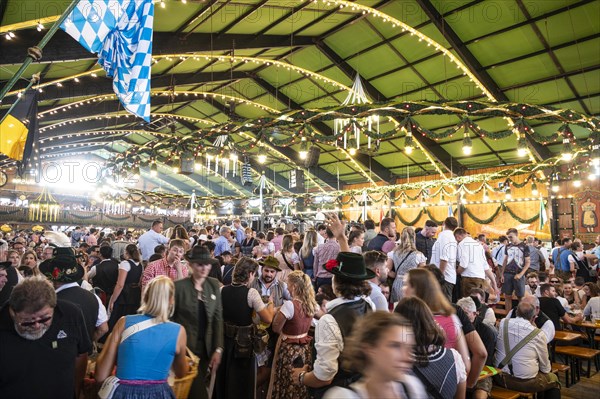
[[120, 32]]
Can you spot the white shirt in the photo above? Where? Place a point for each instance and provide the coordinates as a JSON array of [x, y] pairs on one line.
[[531, 358], [445, 249], [102, 315], [414, 388], [547, 328], [471, 257], [329, 342], [593, 308], [378, 298]]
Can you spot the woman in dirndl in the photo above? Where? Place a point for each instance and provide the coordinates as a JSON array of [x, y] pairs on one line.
[[127, 294], [293, 349], [154, 346]]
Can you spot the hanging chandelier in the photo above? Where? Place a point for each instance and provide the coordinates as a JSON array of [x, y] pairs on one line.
[[44, 208], [350, 129]]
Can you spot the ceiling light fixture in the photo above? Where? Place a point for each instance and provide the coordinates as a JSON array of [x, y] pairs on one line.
[[409, 144], [522, 148], [303, 149], [467, 145], [352, 147], [534, 189], [153, 169]]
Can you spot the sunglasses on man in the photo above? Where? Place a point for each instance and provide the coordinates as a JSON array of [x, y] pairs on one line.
[[33, 323]]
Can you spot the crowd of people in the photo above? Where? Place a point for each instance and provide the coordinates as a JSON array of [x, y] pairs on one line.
[[288, 314]]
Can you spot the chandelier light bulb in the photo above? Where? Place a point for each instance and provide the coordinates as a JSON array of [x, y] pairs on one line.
[[534, 190], [409, 144], [262, 159], [522, 148], [352, 151], [303, 149], [467, 145]]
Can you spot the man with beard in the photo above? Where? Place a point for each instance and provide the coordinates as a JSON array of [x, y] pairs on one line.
[[268, 286], [532, 287], [44, 340], [377, 262]]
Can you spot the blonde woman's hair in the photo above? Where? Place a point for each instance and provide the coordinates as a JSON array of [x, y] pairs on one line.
[[310, 242], [156, 300], [407, 241], [303, 291]]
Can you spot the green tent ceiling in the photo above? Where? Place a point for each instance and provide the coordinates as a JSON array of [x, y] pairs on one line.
[[544, 52]]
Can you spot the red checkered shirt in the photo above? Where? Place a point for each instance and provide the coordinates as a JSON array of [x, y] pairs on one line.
[[161, 268]]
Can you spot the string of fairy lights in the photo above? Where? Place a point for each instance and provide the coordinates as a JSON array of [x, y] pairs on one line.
[[518, 127]]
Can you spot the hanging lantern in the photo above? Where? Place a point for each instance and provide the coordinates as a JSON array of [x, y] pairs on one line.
[[467, 145], [522, 148], [566, 152]]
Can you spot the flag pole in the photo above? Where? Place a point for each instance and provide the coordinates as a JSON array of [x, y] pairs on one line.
[[35, 78], [38, 50]]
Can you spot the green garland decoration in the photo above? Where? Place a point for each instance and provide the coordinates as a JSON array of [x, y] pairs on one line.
[[286, 130], [409, 223], [468, 212], [82, 216], [116, 217], [502, 207], [428, 212], [518, 218], [10, 212]]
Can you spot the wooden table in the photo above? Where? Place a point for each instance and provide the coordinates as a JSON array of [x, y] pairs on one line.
[[487, 372], [561, 336], [589, 327], [566, 336]]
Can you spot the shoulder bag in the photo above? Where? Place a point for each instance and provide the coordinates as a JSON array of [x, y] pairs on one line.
[[286, 261], [110, 385]]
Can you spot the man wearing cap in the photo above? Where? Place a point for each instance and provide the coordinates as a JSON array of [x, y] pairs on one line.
[[43, 344], [351, 287], [64, 272], [198, 308], [268, 285]]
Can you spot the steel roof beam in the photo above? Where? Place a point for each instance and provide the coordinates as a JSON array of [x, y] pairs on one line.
[[540, 152], [63, 47], [432, 147]]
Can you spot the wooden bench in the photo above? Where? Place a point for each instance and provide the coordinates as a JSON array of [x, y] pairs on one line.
[[557, 368], [576, 353], [500, 312], [503, 393]]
